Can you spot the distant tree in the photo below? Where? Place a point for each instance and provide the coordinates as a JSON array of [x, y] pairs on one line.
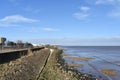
[[19, 44], [10, 43], [28, 45]]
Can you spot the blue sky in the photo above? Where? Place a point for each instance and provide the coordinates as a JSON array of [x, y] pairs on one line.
[[66, 22]]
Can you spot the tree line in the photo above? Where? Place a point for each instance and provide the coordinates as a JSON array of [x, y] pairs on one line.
[[11, 44]]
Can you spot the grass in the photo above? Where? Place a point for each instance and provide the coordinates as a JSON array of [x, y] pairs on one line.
[[24, 68], [109, 72], [54, 69]]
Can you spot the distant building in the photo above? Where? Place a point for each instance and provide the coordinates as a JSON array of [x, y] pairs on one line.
[[2, 40], [36, 44]]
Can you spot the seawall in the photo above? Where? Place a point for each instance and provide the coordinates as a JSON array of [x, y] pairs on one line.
[[45, 64], [10, 55], [24, 68]]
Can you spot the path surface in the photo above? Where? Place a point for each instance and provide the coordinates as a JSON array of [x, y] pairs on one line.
[[47, 59]]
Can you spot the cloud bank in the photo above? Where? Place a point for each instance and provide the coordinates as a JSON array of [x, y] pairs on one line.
[[16, 19], [13, 20]]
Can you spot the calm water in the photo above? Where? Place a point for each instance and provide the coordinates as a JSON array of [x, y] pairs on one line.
[[105, 57]]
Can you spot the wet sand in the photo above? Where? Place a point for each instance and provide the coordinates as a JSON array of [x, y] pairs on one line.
[[102, 63]]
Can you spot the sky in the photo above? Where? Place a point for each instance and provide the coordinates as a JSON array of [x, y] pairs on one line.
[[62, 22]]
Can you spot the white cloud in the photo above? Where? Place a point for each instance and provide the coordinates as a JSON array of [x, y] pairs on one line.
[[8, 25], [81, 16], [84, 8], [114, 14], [114, 7], [16, 19], [105, 1], [114, 3], [33, 29], [83, 13], [50, 29]]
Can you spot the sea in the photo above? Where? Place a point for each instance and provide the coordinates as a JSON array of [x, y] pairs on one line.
[[104, 57]]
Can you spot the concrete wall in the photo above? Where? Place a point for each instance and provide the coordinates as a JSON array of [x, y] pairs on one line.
[[13, 55], [25, 68], [6, 57]]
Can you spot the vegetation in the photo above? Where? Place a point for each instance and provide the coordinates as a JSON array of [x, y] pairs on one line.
[[56, 69], [13, 45], [31, 67], [10, 44], [24, 68], [27, 45]]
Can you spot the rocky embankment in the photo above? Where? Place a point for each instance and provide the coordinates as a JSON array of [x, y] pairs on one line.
[[25, 68], [56, 69], [46, 64]]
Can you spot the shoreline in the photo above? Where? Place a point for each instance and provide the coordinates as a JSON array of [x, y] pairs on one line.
[[56, 68], [46, 64], [101, 62]]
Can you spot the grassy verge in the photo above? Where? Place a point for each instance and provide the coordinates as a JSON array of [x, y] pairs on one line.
[[56, 69]]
